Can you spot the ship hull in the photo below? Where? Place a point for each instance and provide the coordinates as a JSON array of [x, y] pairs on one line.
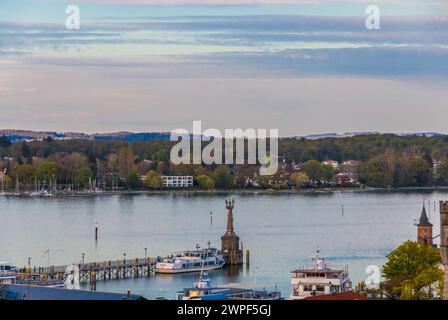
[[190, 270]]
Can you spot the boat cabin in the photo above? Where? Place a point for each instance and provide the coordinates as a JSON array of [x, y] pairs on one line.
[[319, 279]]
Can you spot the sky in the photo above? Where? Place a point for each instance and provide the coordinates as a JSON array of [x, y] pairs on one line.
[[300, 66]]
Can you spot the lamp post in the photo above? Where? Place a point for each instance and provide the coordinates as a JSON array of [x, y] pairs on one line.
[[124, 258], [82, 256], [146, 253], [29, 262]]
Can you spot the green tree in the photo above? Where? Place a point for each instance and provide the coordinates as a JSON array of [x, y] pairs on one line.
[[69, 164], [222, 177], [48, 171], [327, 172], [83, 176], [380, 172], [133, 181], [24, 173], [205, 182], [299, 178], [442, 173], [6, 183], [20, 150], [126, 160], [153, 180], [263, 181], [412, 272], [4, 142], [313, 170]]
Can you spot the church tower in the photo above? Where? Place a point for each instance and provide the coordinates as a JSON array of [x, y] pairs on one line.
[[230, 242], [424, 230]]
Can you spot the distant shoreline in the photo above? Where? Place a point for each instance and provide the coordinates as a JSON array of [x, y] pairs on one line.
[[227, 191]]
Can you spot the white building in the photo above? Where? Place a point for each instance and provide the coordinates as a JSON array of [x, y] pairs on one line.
[[331, 163], [177, 181]]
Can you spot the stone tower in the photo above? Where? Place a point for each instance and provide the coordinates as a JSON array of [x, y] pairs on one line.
[[444, 244], [230, 242], [424, 229]]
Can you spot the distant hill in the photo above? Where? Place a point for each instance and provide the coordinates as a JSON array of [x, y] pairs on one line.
[[354, 134], [18, 135]]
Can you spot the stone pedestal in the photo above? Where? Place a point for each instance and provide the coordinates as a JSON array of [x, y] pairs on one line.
[[230, 242]]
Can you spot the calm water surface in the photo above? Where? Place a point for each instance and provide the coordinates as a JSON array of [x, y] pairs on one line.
[[282, 231]]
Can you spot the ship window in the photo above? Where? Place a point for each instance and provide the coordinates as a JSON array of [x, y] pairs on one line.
[[334, 288], [308, 287]]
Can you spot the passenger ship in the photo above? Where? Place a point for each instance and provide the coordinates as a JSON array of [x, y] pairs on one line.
[[191, 261], [319, 279], [203, 290], [7, 273]]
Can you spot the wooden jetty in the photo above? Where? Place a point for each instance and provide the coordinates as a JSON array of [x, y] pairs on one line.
[[90, 272]]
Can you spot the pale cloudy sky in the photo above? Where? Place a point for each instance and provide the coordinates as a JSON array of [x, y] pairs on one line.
[[298, 65]]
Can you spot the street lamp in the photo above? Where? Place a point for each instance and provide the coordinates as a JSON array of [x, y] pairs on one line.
[[124, 258], [83, 255], [146, 253], [29, 262]]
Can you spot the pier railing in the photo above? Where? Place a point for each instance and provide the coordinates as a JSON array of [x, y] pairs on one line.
[[93, 271]]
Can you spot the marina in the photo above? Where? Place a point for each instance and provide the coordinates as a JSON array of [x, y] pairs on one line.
[[267, 224]]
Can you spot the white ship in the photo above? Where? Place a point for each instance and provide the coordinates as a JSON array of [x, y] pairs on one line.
[[7, 273], [204, 290], [191, 261], [319, 279]]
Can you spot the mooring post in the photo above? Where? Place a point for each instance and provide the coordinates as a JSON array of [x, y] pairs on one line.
[[96, 230]]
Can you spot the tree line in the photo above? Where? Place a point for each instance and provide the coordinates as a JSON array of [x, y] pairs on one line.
[[383, 161]]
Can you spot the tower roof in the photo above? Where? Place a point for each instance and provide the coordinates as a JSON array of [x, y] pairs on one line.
[[424, 221]]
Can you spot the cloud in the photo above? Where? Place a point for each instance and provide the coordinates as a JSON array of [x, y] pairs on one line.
[[334, 104], [244, 46], [254, 2]]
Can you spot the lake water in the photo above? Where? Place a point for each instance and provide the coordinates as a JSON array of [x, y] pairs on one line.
[[282, 231]]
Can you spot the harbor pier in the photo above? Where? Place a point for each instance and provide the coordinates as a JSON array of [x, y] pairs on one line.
[[96, 271]]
